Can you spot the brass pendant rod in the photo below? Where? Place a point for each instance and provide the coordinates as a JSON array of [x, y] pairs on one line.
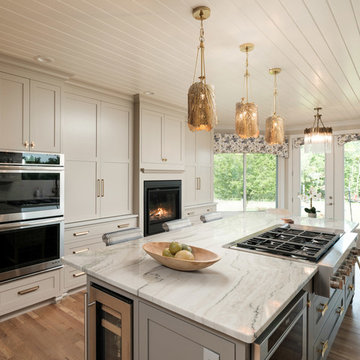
[[202, 50], [275, 93], [247, 75]]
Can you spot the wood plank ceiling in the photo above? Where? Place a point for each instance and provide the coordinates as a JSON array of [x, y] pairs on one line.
[[150, 45]]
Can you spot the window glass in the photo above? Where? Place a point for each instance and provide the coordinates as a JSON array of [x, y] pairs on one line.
[[352, 181], [228, 181], [260, 181], [312, 182]]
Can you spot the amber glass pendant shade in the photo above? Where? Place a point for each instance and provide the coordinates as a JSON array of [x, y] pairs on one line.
[[274, 127], [201, 107], [246, 120], [274, 130], [246, 114], [201, 96]]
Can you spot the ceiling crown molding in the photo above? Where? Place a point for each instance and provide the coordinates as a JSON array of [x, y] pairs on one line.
[[28, 65]]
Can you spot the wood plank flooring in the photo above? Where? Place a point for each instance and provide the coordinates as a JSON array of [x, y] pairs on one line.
[[55, 332]]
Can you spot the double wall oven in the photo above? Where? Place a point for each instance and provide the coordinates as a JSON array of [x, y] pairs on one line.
[[31, 213]]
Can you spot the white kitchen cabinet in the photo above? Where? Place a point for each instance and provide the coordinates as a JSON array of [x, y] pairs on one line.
[[97, 146], [14, 112], [161, 140], [198, 182], [44, 117], [30, 114]]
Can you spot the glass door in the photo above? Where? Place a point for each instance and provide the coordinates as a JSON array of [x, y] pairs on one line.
[[313, 184], [110, 325]]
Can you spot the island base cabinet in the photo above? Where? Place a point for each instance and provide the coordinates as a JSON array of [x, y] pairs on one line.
[[163, 337]]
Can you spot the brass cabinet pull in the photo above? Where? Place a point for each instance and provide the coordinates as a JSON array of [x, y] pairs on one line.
[[32, 144], [322, 309], [102, 187], [190, 213], [340, 310], [199, 183], [121, 226], [351, 287], [81, 233], [99, 188], [324, 347], [26, 144], [30, 290], [79, 274], [80, 251]]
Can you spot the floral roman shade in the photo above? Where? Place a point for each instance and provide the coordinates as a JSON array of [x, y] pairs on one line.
[[344, 138], [232, 143]]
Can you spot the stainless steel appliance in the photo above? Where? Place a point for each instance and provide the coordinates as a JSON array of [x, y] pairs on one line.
[[31, 213], [329, 249], [31, 186], [31, 246], [109, 326], [286, 337]]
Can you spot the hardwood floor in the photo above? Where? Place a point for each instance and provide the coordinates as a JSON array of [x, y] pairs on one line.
[[53, 332], [56, 332]]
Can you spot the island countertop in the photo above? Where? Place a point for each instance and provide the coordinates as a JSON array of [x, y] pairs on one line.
[[239, 296]]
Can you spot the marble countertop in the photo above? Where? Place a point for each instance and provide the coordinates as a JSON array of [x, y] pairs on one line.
[[239, 296]]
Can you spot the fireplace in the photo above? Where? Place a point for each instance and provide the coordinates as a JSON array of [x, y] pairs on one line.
[[162, 202]]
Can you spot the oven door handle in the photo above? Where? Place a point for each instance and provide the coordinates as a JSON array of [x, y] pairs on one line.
[[33, 169], [31, 223]]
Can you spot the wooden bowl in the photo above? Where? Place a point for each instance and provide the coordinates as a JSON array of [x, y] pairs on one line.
[[203, 258]]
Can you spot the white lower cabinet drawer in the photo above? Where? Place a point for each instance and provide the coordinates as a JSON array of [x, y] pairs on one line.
[[73, 278], [29, 291]]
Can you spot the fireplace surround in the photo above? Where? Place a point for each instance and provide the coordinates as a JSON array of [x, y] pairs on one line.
[[162, 202]]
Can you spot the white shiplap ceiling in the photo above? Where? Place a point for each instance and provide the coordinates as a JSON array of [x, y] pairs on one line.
[[150, 45]]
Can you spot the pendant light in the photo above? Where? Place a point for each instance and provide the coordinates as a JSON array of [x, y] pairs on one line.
[[246, 114], [318, 138], [201, 97], [274, 130]]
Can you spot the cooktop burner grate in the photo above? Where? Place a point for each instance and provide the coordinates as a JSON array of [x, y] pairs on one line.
[[293, 242]]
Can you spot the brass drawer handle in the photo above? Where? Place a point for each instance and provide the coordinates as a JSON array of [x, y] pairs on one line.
[[32, 144], [324, 347], [80, 251], [340, 310], [323, 309], [27, 291], [79, 274], [191, 213], [121, 226], [81, 233], [102, 187], [99, 188], [351, 287], [26, 144]]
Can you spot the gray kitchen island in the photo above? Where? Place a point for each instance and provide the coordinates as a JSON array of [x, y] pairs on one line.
[[240, 308]]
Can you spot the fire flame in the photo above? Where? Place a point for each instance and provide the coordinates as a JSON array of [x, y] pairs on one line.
[[159, 213]]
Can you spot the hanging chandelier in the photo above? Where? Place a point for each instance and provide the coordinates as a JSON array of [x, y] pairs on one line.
[[246, 115], [318, 138], [274, 130], [201, 97]]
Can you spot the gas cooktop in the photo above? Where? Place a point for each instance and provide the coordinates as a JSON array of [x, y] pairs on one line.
[[290, 240]]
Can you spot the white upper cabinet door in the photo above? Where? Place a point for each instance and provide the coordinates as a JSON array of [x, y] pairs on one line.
[[14, 112], [190, 183], [203, 184], [115, 194], [82, 191], [44, 117], [190, 137], [115, 133], [80, 128], [204, 147], [173, 134], [151, 137]]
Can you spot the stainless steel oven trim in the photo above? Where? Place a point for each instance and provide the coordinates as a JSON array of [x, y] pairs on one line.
[[260, 346], [36, 214], [36, 268]]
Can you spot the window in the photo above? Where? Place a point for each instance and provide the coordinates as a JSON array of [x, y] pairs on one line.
[[257, 192], [352, 181]]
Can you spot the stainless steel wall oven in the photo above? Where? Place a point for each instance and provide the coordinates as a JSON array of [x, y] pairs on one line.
[[31, 213]]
